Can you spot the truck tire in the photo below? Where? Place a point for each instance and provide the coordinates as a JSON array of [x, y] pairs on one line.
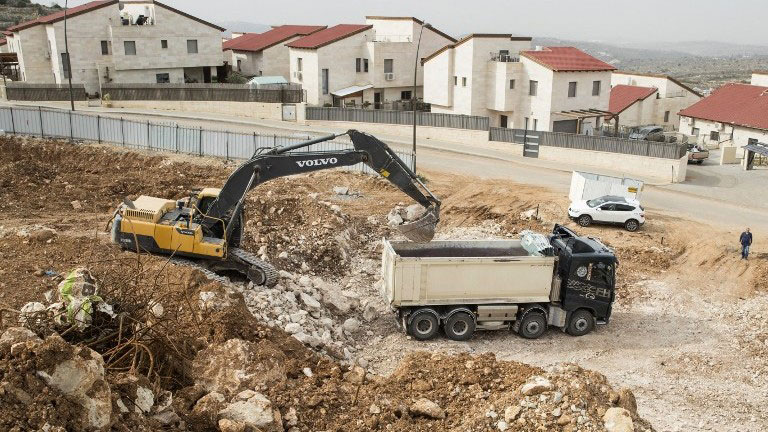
[[532, 325], [582, 322], [631, 225], [584, 220], [423, 325], [459, 327], [700, 161]]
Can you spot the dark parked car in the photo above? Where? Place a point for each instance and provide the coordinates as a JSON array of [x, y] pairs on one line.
[[648, 133]]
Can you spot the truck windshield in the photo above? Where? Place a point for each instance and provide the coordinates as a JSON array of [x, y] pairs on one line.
[[601, 274]]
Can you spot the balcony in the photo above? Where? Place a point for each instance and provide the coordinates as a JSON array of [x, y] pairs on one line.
[[504, 57]]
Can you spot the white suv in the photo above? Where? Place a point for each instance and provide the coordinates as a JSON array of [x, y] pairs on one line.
[[610, 210]]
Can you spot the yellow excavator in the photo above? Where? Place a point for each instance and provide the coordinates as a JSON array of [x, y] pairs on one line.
[[207, 226]]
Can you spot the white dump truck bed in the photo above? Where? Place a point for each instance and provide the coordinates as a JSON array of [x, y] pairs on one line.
[[464, 272]]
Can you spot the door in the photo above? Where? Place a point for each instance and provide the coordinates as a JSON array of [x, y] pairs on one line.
[[377, 100], [289, 112], [503, 121], [207, 74], [608, 213], [566, 126]]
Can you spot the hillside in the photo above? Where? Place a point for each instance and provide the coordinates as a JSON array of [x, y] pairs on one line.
[[13, 12]]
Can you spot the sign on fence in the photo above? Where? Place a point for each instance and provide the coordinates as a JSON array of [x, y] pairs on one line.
[[169, 137]]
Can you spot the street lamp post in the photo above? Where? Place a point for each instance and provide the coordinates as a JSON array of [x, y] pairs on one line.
[[69, 62], [413, 95]]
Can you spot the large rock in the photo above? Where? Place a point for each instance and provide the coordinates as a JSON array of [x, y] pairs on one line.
[[81, 378], [334, 299], [254, 413], [426, 408], [14, 335], [413, 212], [237, 365], [618, 420], [536, 385]]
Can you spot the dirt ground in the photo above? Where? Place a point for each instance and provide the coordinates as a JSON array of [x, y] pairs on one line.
[[688, 336]]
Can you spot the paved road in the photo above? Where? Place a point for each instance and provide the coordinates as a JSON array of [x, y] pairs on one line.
[[723, 196]]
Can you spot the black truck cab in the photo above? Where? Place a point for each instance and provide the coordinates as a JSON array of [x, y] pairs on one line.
[[587, 272]]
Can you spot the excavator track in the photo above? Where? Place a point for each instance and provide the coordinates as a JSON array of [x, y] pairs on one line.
[[212, 275], [269, 273]]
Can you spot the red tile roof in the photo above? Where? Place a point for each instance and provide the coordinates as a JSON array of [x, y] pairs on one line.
[[58, 16], [623, 96], [567, 59], [328, 36], [736, 104], [3, 41], [256, 42]]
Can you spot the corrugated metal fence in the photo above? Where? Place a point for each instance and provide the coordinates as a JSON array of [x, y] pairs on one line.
[[43, 92], [398, 117], [148, 135], [203, 92], [594, 143]]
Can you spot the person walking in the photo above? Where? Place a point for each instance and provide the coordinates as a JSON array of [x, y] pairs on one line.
[[746, 241]]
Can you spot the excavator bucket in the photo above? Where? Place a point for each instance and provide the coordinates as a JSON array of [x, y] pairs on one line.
[[421, 230]]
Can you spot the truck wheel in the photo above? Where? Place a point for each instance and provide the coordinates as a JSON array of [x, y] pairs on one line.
[[459, 327], [532, 325], [584, 220], [700, 161], [423, 326], [631, 225], [582, 322]]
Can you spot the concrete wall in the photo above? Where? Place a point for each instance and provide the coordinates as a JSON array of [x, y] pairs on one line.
[[760, 79], [268, 111], [664, 170], [659, 169], [438, 84], [671, 97], [706, 127], [583, 100]]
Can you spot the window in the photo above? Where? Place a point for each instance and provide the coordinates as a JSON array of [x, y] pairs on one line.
[[163, 78], [511, 84], [608, 207], [325, 81], [455, 80], [695, 131], [405, 95], [389, 66], [365, 65], [191, 46], [164, 44], [463, 81], [239, 65], [534, 88], [666, 116], [535, 124], [65, 64], [572, 89], [129, 47], [299, 64], [595, 88], [358, 65], [526, 123], [503, 120], [624, 207], [714, 136], [104, 48]]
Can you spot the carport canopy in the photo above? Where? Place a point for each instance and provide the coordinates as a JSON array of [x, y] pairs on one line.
[[582, 114], [349, 91], [759, 148]]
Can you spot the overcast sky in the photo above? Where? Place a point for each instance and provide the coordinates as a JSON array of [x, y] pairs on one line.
[[741, 21]]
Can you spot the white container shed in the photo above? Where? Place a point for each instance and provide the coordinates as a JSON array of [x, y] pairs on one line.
[[586, 186]]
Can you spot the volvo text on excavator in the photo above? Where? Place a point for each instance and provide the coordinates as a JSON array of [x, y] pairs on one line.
[[208, 226]]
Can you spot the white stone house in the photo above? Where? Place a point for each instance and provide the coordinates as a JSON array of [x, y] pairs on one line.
[[115, 41], [264, 54], [498, 76], [639, 99], [732, 117], [371, 64], [760, 78]]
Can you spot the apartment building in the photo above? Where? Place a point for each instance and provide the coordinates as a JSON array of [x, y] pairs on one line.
[[734, 115], [639, 99], [264, 54], [126, 41], [760, 78], [499, 76], [363, 64]]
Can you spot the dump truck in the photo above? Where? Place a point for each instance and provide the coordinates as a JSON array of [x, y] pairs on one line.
[[466, 285]]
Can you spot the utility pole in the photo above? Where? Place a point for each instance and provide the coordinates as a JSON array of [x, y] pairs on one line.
[[69, 62], [413, 95]]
